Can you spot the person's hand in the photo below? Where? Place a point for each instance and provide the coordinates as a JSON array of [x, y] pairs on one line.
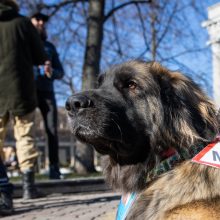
[[13, 163], [48, 69]]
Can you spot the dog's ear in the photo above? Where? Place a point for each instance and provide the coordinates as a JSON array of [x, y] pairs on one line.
[[100, 80], [189, 111]]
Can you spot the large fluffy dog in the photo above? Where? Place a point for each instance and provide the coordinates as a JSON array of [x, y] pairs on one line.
[[139, 113]]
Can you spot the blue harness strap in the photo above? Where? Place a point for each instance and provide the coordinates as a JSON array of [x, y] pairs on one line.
[[123, 209]]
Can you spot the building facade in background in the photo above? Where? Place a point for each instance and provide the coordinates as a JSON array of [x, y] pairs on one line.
[[213, 27]]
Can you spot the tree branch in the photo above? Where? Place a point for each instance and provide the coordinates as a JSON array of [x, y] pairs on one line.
[[56, 7], [111, 12], [144, 31]]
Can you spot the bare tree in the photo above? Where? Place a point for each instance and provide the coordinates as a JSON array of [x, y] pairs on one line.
[[85, 153]]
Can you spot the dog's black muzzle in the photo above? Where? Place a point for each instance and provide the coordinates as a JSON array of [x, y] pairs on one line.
[[76, 102]]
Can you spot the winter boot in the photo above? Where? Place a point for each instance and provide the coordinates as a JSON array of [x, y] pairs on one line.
[[29, 189], [54, 172], [6, 190], [6, 202]]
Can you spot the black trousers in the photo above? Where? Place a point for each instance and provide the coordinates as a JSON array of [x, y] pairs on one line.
[[3, 173], [48, 108]]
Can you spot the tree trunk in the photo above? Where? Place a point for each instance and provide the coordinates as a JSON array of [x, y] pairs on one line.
[[85, 153], [93, 43]]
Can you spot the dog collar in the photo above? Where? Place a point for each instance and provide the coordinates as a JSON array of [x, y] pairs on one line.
[[125, 204], [171, 158]]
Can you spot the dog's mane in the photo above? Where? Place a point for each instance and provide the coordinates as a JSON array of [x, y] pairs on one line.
[[189, 114], [189, 118]]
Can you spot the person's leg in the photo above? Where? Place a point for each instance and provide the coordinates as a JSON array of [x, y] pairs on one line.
[[26, 152], [48, 108], [6, 188], [3, 123]]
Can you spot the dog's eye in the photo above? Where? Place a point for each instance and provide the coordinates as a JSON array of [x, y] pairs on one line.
[[131, 85]]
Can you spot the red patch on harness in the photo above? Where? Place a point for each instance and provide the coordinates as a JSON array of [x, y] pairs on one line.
[[210, 155]]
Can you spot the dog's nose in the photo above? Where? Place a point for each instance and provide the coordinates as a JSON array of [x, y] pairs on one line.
[[77, 102]]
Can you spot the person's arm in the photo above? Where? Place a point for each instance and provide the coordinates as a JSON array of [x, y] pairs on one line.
[[57, 68]]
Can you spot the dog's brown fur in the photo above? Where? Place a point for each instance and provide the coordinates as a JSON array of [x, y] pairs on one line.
[[139, 110]]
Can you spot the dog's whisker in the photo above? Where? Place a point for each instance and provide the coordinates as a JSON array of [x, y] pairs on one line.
[[118, 128]]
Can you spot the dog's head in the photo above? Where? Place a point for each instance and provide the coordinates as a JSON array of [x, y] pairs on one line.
[[140, 108]]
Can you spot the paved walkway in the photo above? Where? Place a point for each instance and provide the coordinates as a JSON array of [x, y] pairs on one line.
[[98, 206]]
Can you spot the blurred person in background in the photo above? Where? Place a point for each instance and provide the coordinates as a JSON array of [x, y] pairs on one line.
[[44, 77], [20, 49]]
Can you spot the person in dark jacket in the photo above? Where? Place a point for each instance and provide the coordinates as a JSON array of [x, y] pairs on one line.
[[20, 49], [45, 76]]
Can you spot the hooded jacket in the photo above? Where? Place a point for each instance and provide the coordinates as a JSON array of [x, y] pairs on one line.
[[20, 49]]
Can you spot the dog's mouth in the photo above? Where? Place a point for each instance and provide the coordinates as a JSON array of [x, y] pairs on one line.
[[102, 144]]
